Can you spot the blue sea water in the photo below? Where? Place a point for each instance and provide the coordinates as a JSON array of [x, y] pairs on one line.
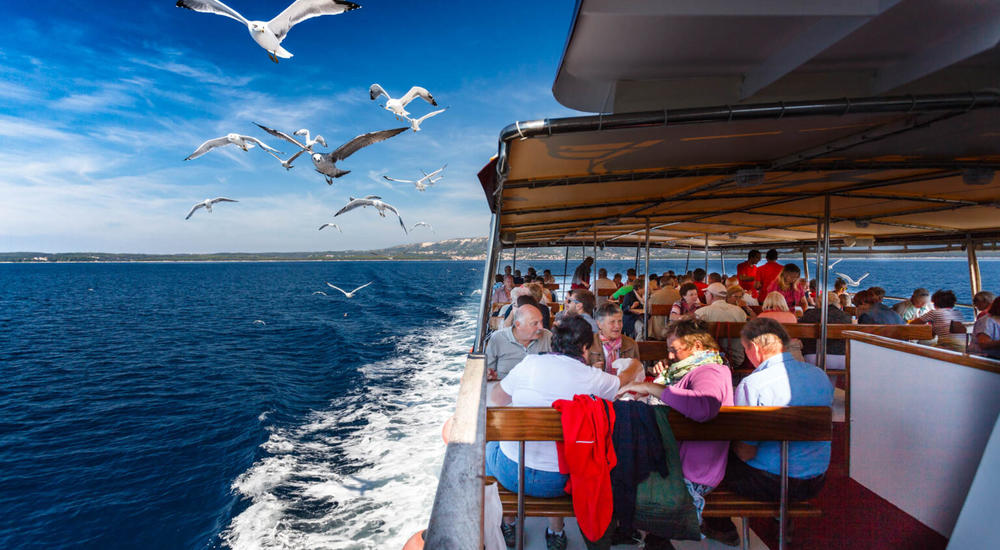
[[142, 406]]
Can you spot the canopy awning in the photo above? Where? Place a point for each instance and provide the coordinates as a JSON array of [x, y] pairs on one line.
[[896, 169]]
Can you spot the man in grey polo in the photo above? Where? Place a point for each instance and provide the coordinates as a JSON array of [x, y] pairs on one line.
[[507, 346]]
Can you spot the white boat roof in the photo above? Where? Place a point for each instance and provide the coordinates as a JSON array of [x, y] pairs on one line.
[[651, 54]]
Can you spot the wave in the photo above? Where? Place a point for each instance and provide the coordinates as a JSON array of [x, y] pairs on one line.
[[360, 474]]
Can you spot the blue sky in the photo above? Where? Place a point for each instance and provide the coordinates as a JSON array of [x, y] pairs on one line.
[[101, 102]]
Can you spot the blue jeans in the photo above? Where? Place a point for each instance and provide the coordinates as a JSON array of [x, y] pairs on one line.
[[537, 483]]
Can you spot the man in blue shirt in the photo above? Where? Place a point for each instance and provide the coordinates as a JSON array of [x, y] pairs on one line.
[[779, 380]]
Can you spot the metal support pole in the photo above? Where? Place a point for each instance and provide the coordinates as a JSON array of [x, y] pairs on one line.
[[706, 253], [783, 503], [493, 251], [594, 267], [805, 263], [687, 262], [637, 249], [513, 262], [520, 495], [975, 277], [825, 276], [722, 256], [565, 285], [645, 290]]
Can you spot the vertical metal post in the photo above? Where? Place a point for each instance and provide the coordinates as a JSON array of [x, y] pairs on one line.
[[594, 267], [638, 247], [513, 262], [520, 495], [645, 290], [493, 251], [805, 263], [706, 253], [783, 503], [722, 256], [687, 262], [824, 273], [975, 277], [565, 285]]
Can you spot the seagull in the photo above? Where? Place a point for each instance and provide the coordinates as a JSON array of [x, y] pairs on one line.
[[326, 163], [330, 225], [310, 142], [351, 293], [415, 122], [398, 106], [373, 201], [243, 142], [319, 292], [422, 183], [207, 204], [287, 163], [834, 263], [259, 322], [850, 281], [270, 34], [422, 224]]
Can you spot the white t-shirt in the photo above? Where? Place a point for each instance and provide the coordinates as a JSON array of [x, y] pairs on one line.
[[721, 311], [539, 380]]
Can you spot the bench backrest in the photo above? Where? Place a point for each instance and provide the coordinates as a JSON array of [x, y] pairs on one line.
[[660, 309], [552, 286], [732, 423], [606, 291]]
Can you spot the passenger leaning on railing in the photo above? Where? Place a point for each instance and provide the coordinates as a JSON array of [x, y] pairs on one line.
[[779, 380], [537, 381]]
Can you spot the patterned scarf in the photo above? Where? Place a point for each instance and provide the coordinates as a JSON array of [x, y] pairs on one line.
[[677, 370], [611, 350]]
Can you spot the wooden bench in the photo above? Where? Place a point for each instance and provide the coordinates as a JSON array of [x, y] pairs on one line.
[[732, 424], [606, 291], [552, 286]]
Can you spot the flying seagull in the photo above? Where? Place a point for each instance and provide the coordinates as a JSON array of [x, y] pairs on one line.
[[207, 204], [422, 224], [259, 322], [835, 263], [398, 106], [319, 292], [270, 34], [287, 163], [351, 293], [243, 142], [415, 122], [850, 281], [326, 163], [310, 142], [330, 225], [422, 183], [373, 201]]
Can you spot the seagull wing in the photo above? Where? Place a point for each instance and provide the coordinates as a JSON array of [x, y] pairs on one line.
[[330, 225], [223, 199], [398, 181], [300, 10], [375, 90], [208, 146], [374, 197], [262, 145], [430, 114], [212, 6], [416, 92], [835, 263], [282, 135], [436, 172], [193, 208], [862, 278], [362, 286], [364, 140], [356, 203], [849, 280], [338, 288]]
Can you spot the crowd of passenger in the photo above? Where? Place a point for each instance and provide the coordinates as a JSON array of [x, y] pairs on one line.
[[589, 349]]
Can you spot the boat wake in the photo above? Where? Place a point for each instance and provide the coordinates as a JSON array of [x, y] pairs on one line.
[[362, 473]]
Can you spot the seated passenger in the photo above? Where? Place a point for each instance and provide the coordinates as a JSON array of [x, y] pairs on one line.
[[509, 345], [836, 350], [602, 282], [581, 302], [776, 307], [986, 332], [981, 302], [877, 313], [719, 310], [610, 344], [779, 380], [617, 280], [537, 381], [737, 296], [548, 278], [918, 304], [667, 295], [686, 306], [529, 300], [700, 386], [698, 278], [632, 307], [788, 284], [501, 294], [940, 319]]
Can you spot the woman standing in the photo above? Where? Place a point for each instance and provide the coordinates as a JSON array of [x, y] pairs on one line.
[[788, 284]]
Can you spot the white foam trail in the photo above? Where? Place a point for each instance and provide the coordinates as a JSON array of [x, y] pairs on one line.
[[373, 487]]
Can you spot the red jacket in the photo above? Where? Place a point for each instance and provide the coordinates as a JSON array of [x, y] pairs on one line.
[[587, 455]]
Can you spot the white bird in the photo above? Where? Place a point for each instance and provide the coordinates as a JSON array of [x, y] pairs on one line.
[[422, 224], [326, 163], [319, 292], [243, 142], [373, 201], [287, 163], [259, 322], [834, 263], [850, 281], [310, 142], [351, 293], [325, 225], [415, 122], [270, 34], [422, 183], [398, 106], [207, 204]]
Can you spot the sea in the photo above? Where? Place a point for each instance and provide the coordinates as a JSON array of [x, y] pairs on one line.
[[231, 405]]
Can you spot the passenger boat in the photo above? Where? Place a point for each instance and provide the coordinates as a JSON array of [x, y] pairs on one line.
[[808, 127]]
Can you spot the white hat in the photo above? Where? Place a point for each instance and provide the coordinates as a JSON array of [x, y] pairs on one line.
[[717, 289]]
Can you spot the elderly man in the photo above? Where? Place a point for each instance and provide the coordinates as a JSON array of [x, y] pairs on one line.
[[719, 310], [877, 312], [610, 344], [508, 346], [665, 296], [603, 283], [501, 295], [779, 380]]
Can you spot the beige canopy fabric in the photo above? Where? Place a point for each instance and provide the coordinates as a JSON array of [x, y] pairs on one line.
[[893, 175]]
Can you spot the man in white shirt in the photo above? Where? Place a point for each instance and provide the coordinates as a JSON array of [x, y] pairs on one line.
[[720, 311], [603, 282]]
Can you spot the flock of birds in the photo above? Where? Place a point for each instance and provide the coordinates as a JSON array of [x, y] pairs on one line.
[[269, 35]]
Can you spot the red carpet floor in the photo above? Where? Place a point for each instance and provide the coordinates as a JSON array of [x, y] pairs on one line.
[[854, 518]]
